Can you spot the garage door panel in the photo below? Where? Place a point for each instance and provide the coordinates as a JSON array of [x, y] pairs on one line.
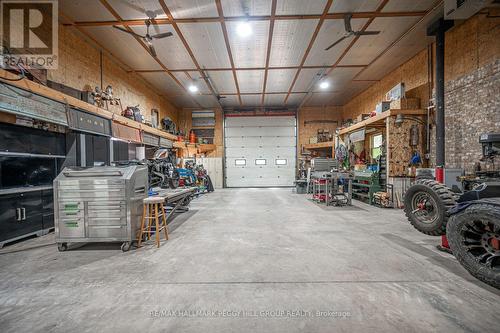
[[242, 142], [260, 121], [264, 170], [251, 139], [250, 163], [256, 180], [267, 153], [259, 131]]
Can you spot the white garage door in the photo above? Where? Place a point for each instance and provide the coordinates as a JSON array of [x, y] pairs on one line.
[[260, 151]]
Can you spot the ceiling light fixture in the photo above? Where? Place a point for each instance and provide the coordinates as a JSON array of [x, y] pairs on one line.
[[193, 88], [244, 29], [324, 84]]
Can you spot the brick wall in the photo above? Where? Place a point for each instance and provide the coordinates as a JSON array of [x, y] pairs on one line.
[[79, 68], [472, 106]]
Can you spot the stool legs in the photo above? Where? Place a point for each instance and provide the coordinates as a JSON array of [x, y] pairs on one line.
[[164, 217], [157, 230], [150, 212], [143, 220]]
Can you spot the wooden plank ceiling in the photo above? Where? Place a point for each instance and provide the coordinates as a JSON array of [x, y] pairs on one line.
[[278, 64]]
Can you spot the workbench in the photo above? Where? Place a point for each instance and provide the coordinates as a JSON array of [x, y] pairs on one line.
[[176, 199]]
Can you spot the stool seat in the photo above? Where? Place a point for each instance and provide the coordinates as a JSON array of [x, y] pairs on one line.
[[153, 200]]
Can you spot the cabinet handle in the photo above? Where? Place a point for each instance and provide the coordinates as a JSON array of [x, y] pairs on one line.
[[24, 214], [18, 214]]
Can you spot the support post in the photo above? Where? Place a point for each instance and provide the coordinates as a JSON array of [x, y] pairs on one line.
[[438, 29]]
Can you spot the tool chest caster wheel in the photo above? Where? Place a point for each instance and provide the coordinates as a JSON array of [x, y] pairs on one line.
[[126, 246]]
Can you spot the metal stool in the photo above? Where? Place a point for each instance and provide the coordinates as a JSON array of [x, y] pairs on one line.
[[153, 210]]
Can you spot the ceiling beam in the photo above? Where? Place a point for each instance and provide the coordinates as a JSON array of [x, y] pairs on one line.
[[309, 47], [331, 16], [228, 47], [165, 69], [188, 49], [269, 44]]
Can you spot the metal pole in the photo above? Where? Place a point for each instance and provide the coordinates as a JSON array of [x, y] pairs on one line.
[[440, 119]]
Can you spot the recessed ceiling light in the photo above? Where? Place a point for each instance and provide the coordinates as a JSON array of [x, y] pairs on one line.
[[192, 88], [244, 29], [324, 84]]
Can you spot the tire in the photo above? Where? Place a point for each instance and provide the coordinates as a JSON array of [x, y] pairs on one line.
[[470, 233], [173, 183], [62, 247], [430, 218]]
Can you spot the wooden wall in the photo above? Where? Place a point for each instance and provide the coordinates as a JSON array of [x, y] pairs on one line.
[[185, 121], [305, 131], [79, 68]]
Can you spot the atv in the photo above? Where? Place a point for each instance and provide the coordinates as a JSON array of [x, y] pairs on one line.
[[469, 220]]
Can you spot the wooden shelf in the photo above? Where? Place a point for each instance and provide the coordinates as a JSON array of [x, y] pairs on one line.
[[206, 147], [201, 147], [319, 145], [203, 128], [380, 119], [58, 96]]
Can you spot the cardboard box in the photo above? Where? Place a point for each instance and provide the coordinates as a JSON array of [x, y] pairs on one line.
[[313, 139], [406, 104], [382, 107]]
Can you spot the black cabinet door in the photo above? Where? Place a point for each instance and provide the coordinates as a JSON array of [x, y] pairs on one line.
[[22, 139], [20, 214], [48, 209]]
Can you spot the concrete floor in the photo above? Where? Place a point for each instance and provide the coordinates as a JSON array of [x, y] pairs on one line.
[[267, 259]]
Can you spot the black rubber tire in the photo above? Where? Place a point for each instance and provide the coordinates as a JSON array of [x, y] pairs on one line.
[[444, 198], [454, 233], [62, 247], [173, 183]]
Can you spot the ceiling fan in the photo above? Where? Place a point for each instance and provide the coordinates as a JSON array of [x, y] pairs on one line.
[[148, 39], [349, 32]]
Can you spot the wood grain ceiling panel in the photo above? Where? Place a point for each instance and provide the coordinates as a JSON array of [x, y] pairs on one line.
[[249, 51], [300, 7], [352, 6], [290, 40], [339, 78], [223, 81], [279, 80], [206, 40], [331, 31], [163, 83], [123, 46], [408, 5], [190, 78], [136, 9], [95, 11], [368, 47], [170, 50], [250, 81], [192, 8], [253, 7]]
